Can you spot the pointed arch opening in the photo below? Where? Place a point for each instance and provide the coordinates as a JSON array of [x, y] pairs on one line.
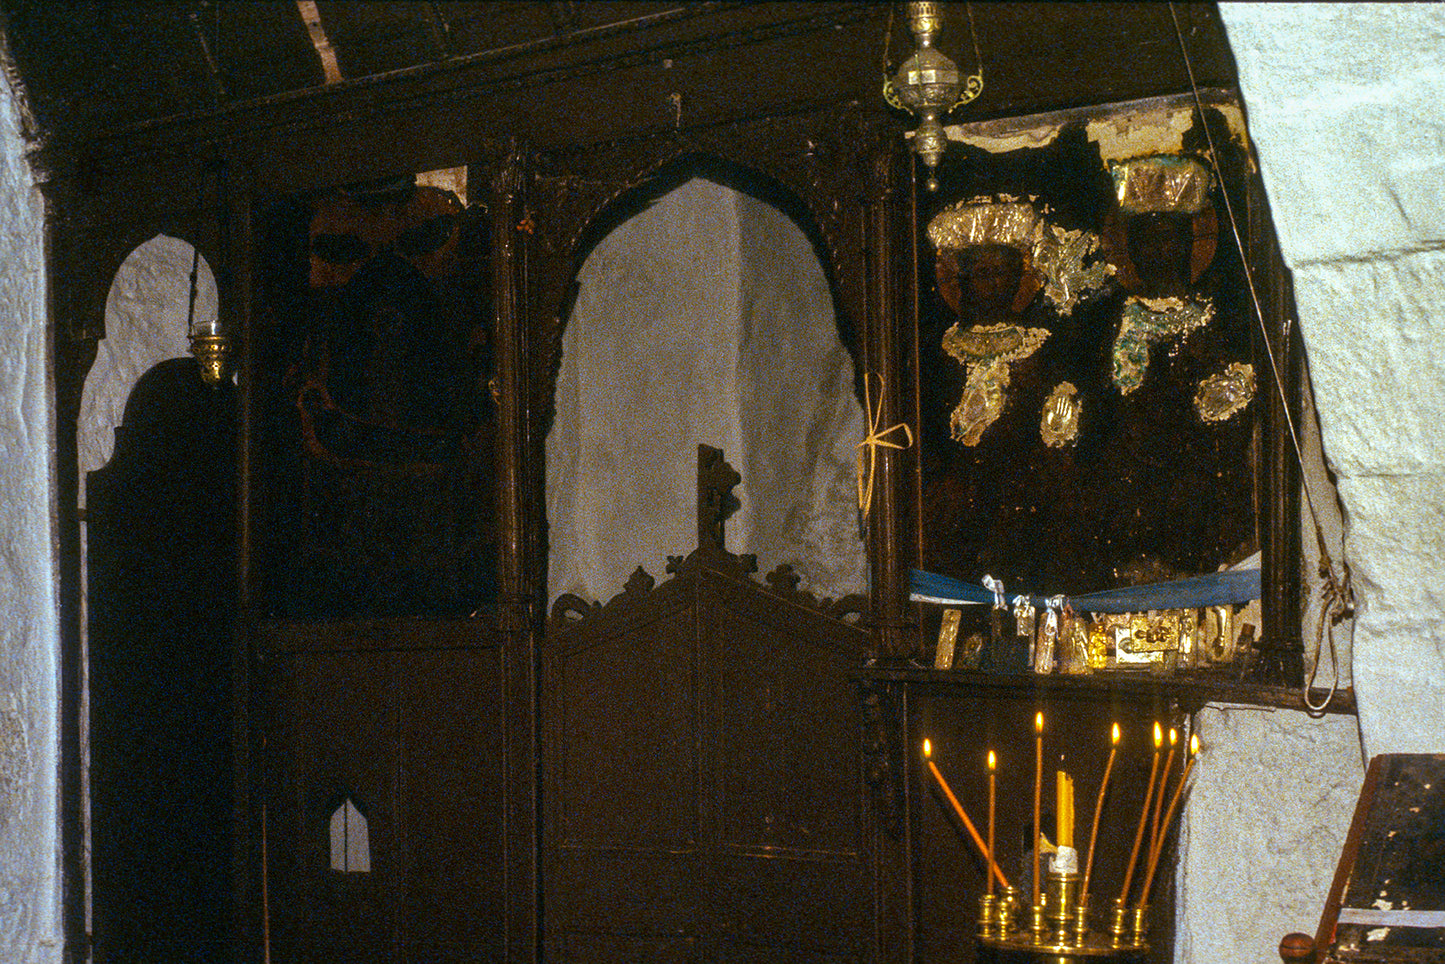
[[702, 312]]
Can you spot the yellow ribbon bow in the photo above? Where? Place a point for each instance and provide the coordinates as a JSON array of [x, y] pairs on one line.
[[873, 442]]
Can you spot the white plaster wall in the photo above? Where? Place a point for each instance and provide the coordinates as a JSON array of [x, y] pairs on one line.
[[1343, 103], [704, 319], [146, 314], [1259, 840], [800, 418], [30, 928]]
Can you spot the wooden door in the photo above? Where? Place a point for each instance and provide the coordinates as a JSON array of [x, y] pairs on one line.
[[702, 778], [403, 723]]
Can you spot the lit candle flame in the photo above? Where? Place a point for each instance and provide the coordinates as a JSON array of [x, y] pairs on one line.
[[1114, 737], [1169, 816], [1039, 722], [993, 761], [1173, 736], [1143, 815], [927, 749], [963, 817]]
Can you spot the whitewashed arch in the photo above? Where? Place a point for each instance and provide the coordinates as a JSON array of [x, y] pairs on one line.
[[145, 323], [706, 318]]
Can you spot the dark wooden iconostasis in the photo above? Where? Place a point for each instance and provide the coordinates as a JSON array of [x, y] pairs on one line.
[[424, 759]]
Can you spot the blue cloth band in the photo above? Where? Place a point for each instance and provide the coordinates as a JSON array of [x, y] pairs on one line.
[[1215, 589]]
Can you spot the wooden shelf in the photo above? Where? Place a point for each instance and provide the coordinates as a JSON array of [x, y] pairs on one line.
[[1190, 692]]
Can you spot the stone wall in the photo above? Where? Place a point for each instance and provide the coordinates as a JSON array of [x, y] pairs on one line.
[[1343, 106], [1344, 102], [30, 929]]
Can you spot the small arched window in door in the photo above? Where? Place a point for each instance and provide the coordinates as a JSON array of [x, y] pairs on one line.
[[350, 844]]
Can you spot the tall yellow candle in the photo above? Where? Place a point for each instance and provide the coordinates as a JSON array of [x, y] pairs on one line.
[[1169, 817], [1064, 795], [1099, 808], [1038, 788], [992, 775], [1143, 816], [1163, 783]]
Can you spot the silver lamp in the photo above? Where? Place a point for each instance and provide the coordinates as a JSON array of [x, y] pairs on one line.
[[927, 85]]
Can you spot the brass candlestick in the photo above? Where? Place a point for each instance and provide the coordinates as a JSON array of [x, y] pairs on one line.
[[1061, 905], [1141, 925], [988, 911], [1038, 924], [1006, 912], [1119, 925], [1081, 920]]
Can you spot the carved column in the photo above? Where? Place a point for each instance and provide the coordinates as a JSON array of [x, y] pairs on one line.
[[885, 301], [75, 330], [1281, 652], [515, 586]]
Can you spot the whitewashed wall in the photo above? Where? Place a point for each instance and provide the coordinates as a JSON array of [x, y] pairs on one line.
[[1345, 105], [146, 313], [1344, 108], [704, 319], [30, 928]]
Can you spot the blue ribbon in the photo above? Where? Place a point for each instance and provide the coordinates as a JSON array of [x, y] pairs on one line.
[[1230, 587]]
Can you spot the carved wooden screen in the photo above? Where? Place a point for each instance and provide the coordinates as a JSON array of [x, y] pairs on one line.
[[702, 775]]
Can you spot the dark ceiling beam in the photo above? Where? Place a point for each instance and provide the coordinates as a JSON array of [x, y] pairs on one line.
[[467, 86]]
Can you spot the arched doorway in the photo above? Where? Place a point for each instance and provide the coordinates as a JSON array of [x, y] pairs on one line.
[[705, 318], [702, 794], [160, 567]]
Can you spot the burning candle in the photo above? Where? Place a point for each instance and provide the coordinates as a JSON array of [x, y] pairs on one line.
[[1163, 784], [992, 868], [1143, 815], [1038, 788], [1099, 808], [992, 775], [1169, 817]]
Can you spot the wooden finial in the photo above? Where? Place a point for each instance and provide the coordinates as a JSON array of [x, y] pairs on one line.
[[1297, 949]]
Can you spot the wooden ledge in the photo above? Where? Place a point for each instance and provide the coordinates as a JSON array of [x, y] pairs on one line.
[[1189, 693]]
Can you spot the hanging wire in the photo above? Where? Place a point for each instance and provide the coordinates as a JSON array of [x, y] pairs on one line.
[[1337, 595], [888, 42], [977, 57]]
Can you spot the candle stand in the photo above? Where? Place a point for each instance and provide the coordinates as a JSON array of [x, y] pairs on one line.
[[1059, 931]]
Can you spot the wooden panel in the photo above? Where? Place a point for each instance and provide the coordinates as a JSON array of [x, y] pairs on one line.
[[414, 736], [787, 765], [716, 701], [587, 948], [342, 741], [628, 732], [450, 792], [622, 893], [801, 909]]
